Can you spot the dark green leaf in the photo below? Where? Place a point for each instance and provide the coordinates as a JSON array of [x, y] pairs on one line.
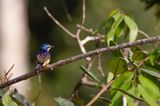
[[139, 55], [63, 102], [133, 28], [89, 73], [117, 65], [153, 56], [130, 95], [120, 30], [102, 99]]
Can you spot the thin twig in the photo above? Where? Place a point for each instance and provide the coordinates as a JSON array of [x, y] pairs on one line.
[[66, 10], [91, 38], [90, 30], [99, 67], [143, 33], [58, 23], [87, 82], [84, 12], [146, 35], [103, 89], [79, 57]]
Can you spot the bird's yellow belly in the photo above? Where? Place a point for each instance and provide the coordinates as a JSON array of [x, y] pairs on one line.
[[46, 63]]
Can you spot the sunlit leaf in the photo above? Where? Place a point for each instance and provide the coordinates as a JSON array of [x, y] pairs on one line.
[[150, 72], [122, 82], [110, 76], [147, 97], [125, 77], [133, 28], [7, 101], [134, 91], [151, 88], [89, 73], [63, 102]]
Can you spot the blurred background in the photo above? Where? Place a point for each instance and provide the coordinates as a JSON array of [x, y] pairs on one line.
[[24, 27]]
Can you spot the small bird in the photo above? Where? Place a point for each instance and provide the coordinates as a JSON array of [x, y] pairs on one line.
[[43, 56]]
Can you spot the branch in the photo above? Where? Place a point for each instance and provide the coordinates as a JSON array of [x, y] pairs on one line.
[[81, 56], [91, 38], [104, 88], [58, 23]]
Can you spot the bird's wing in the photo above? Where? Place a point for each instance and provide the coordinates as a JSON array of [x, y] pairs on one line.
[[43, 58]]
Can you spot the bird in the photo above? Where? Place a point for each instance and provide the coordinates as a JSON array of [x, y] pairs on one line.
[[43, 56]]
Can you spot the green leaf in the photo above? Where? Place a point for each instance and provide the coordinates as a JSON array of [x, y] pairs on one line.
[[114, 12], [110, 36], [151, 72], [122, 82], [117, 65], [130, 95], [121, 30], [147, 97], [7, 101], [139, 55], [151, 88], [63, 102], [110, 76], [89, 73], [153, 56], [117, 97], [123, 78], [133, 28], [134, 91]]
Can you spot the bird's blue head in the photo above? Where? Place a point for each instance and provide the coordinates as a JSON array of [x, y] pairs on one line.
[[46, 47]]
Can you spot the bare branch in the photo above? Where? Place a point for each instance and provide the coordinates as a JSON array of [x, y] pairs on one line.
[[143, 33], [99, 67], [90, 30], [91, 38], [103, 89], [81, 56], [58, 23]]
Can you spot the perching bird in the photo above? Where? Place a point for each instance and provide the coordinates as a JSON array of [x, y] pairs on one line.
[[43, 56]]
